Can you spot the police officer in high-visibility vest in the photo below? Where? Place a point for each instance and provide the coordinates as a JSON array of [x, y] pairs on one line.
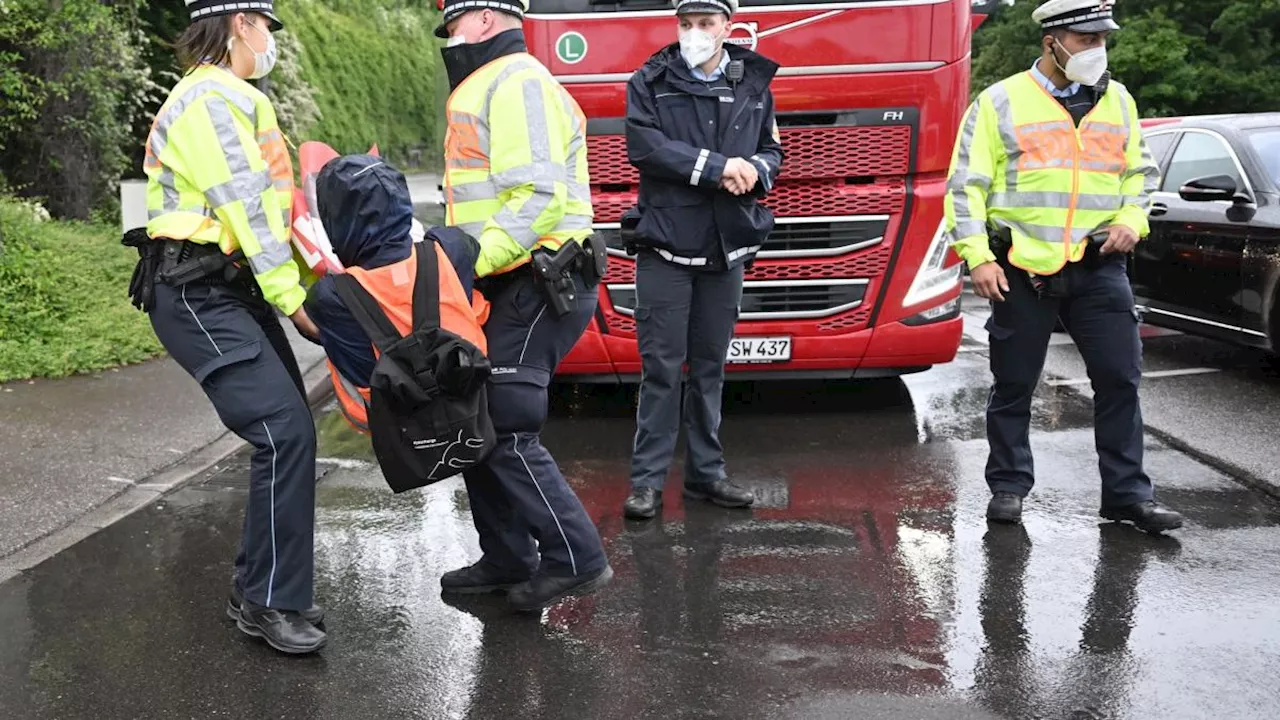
[[516, 181], [1048, 193], [216, 265]]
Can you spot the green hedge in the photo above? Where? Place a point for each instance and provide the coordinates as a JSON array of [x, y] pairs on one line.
[[374, 67], [64, 307]]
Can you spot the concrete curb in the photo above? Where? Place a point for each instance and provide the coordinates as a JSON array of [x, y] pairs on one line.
[[149, 489]]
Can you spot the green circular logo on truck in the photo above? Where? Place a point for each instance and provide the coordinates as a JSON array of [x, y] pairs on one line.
[[571, 48]]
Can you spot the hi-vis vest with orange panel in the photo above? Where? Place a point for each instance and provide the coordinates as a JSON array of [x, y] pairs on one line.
[[392, 287], [516, 163], [1022, 163]]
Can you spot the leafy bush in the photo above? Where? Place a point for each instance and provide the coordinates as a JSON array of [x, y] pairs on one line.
[[72, 82], [64, 307], [375, 67]]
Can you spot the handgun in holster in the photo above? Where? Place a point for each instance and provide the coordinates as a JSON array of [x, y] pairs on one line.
[[554, 271], [179, 268]]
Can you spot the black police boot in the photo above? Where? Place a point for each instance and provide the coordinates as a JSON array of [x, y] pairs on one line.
[[722, 493], [644, 503], [284, 630], [313, 614], [1147, 516], [478, 579], [543, 591], [1005, 507]]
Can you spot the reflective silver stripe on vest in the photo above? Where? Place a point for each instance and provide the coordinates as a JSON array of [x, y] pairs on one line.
[[1044, 233], [352, 392], [273, 253], [175, 108], [578, 191], [680, 260], [968, 228], [698, 166], [542, 173], [741, 252], [474, 228], [1056, 200], [169, 186], [962, 178], [1004, 123], [241, 188], [506, 72]]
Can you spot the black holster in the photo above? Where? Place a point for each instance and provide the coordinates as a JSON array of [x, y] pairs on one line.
[[177, 263], [554, 271]]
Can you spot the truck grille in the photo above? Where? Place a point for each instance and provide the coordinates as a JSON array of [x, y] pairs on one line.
[[774, 300], [839, 152], [827, 171]]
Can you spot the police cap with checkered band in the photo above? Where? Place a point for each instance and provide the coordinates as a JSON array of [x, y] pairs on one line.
[[453, 9], [1082, 16], [728, 7], [201, 9]]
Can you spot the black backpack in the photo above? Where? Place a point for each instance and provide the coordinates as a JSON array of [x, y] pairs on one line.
[[428, 408]]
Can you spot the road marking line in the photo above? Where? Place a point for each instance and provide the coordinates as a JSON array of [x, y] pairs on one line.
[[119, 480], [1152, 374], [1184, 371]]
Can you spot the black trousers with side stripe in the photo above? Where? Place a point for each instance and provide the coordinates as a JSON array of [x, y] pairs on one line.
[[528, 517], [233, 345]]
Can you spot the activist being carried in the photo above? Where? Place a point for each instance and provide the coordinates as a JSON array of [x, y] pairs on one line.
[[405, 344]]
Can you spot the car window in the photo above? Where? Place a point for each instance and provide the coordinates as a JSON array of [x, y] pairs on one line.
[[1199, 155], [1267, 144], [1160, 145]]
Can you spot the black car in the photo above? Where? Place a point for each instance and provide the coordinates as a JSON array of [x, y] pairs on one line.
[[1211, 265]]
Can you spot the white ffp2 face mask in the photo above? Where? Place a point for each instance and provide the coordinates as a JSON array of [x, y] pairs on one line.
[[1087, 66], [263, 62], [456, 40], [696, 46]]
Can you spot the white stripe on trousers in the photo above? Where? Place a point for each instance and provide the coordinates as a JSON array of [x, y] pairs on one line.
[[271, 579], [515, 445]]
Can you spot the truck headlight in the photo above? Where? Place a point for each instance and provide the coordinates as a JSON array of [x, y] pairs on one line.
[[934, 278]]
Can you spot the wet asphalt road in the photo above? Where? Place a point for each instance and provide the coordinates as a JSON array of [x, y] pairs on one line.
[[864, 584]]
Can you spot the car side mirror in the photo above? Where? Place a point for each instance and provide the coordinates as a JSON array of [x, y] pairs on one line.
[[1209, 189]]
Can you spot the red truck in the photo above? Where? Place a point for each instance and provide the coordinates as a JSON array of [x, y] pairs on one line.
[[856, 281]]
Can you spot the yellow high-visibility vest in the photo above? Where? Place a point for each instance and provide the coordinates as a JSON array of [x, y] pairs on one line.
[[516, 163], [219, 172], [1020, 162]]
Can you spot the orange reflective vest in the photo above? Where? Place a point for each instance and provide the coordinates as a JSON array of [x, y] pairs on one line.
[[392, 286]]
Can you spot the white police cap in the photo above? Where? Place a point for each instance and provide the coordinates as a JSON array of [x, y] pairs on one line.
[[455, 8], [1082, 16], [728, 7]]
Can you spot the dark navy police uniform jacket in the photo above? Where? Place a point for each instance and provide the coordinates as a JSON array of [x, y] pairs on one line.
[[681, 132]]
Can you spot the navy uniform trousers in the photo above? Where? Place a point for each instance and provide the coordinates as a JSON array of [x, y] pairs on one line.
[[683, 315], [528, 518], [232, 343], [1099, 314]]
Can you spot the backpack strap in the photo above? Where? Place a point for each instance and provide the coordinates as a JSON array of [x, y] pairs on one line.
[[426, 287], [367, 312]]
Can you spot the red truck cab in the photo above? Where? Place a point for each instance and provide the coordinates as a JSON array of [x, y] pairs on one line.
[[856, 280]]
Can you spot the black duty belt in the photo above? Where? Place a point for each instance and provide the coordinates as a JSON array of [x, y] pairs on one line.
[[180, 262], [1047, 286]]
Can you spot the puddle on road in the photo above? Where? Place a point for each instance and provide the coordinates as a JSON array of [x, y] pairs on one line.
[[865, 572]]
